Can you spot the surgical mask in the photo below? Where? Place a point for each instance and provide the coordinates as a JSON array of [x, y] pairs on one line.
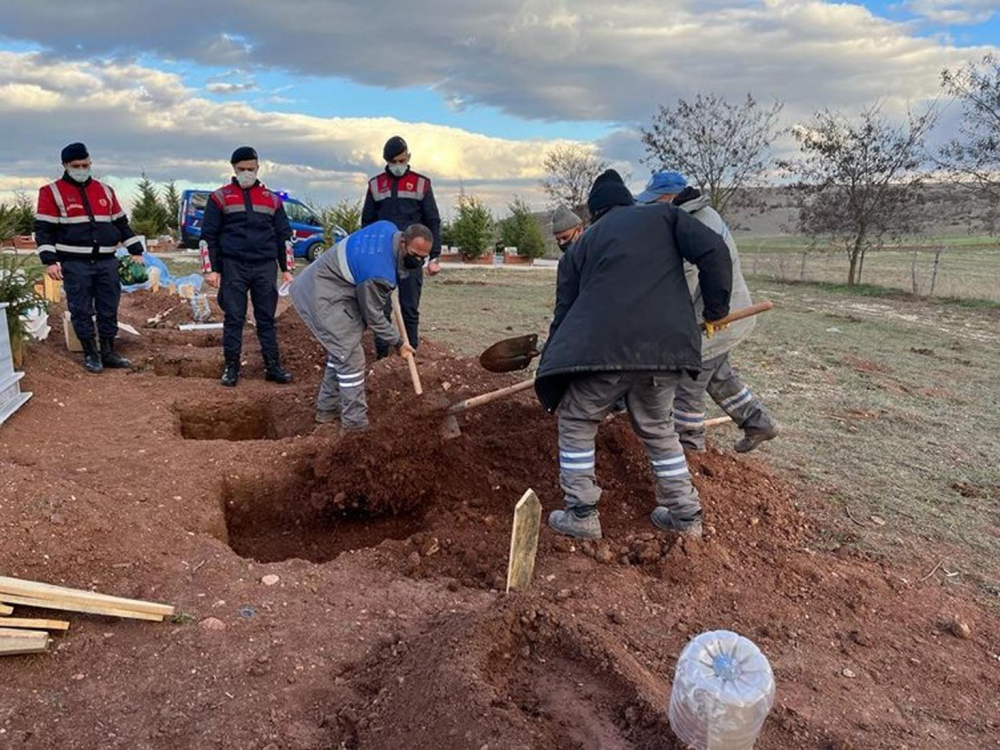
[[567, 244], [246, 178], [398, 169], [412, 262], [79, 174]]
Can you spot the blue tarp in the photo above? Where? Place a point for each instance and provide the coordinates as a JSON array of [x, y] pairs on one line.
[[194, 279]]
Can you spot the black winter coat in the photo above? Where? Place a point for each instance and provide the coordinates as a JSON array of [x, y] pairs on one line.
[[622, 303]]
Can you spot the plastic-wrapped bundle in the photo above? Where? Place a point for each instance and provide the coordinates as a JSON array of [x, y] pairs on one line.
[[201, 311], [723, 690]]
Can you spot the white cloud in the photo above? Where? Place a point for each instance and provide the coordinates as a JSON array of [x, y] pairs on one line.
[[609, 60], [135, 119], [227, 87], [954, 12]]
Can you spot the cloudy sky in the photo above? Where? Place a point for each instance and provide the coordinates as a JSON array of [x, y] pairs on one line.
[[480, 90]]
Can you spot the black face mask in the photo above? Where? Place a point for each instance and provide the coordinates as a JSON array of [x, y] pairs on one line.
[[412, 262], [564, 246]]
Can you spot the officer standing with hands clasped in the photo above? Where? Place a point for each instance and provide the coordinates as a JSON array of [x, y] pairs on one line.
[[244, 233], [78, 226], [404, 197]]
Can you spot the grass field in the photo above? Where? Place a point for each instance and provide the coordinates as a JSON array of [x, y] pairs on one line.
[[890, 405], [967, 267]]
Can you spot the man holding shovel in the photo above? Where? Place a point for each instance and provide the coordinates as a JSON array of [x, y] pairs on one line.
[[716, 376], [345, 288], [635, 347]]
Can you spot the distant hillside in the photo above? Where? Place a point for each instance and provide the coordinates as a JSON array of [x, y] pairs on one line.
[[950, 210]]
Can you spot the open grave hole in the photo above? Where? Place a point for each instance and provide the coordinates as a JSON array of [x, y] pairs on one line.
[[212, 419], [195, 363], [270, 520]]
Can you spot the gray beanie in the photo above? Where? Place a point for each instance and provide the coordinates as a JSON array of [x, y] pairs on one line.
[[564, 219]]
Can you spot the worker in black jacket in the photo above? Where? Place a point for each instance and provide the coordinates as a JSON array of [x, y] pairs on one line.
[[404, 197], [244, 234], [625, 327]]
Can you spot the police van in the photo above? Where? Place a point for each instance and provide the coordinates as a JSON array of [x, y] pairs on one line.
[[307, 229]]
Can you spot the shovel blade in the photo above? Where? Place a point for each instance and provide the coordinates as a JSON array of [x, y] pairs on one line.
[[510, 354]]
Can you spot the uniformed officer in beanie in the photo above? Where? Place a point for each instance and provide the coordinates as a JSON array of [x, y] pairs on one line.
[[245, 238], [404, 197], [78, 227]]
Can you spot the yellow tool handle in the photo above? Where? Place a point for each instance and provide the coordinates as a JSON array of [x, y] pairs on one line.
[[746, 312], [491, 396], [397, 314]]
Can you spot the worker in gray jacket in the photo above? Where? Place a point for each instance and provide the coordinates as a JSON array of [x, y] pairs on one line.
[[339, 293], [717, 376]]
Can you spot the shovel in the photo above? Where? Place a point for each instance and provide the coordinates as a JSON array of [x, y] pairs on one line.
[[516, 353]]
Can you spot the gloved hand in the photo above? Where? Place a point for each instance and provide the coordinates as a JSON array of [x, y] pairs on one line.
[[711, 327]]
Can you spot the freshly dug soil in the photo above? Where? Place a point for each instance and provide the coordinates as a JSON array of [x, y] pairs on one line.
[[387, 627]]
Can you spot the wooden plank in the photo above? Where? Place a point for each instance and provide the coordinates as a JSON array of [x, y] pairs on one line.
[[38, 590], [16, 646], [5, 610], [524, 542], [14, 633], [31, 622], [92, 609]]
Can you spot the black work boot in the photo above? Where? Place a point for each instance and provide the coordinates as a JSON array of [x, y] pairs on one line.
[[110, 359], [91, 359], [274, 371], [231, 374]]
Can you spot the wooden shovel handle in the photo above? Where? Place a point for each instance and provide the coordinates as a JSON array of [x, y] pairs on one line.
[[746, 312], [469, 403], [397, 314]]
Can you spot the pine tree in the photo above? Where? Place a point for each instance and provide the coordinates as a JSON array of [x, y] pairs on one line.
[[172, 199], [520, 230], [149, 215]]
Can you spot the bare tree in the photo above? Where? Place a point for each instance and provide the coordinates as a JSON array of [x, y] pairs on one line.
[[859, 180], [570, 173], [722, 147], [973, 156]]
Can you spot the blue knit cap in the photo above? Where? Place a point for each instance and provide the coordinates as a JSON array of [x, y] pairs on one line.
[[662, 183]]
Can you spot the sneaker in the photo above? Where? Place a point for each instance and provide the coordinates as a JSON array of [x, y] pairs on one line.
[[663, 519], [326, 417], [570, 524], [751, 439]]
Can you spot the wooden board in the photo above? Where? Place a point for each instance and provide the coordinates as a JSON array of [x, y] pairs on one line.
[[37, 590], [23, 641], [13, 633], [92, 609], [16, 646], [31, 622], [5, 610], [524, 542]]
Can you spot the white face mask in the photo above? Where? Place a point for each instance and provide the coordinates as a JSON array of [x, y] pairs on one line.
[[79, 174], [246, 177], [398, 169]]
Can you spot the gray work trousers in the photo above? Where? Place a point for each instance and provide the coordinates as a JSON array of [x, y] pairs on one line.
[[718, 379], [343, 389], [587, 401]]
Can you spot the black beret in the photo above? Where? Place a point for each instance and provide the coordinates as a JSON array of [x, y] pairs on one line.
[[394, 147], [73, 152]]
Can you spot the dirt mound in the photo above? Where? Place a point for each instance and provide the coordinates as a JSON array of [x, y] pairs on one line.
[[387, 627]]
